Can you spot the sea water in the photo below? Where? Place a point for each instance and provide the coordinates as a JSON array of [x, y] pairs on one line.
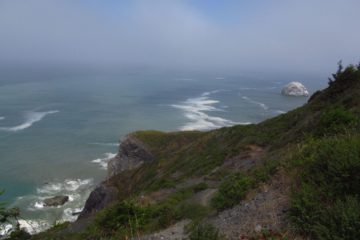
[[57, 134]]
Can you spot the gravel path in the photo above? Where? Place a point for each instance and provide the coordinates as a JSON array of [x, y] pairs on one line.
[[175, 232]]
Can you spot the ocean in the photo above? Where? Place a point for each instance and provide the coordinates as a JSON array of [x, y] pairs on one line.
[[57, 134]]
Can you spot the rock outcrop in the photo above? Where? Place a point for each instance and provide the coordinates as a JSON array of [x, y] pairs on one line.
[[56, 201], [132, 153], [295, 89], [99, 198]]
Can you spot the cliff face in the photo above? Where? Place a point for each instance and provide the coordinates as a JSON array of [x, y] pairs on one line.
[[132, 154]]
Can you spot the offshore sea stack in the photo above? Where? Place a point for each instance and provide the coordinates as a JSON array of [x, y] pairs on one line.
[[296, 89]]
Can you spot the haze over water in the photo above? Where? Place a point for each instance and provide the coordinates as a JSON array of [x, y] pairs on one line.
[[57, 136]]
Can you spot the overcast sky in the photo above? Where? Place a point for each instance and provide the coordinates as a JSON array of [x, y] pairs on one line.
[[306, 35]]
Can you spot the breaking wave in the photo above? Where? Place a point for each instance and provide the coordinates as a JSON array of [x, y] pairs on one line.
[[30, 119], [260, 104], [196, 111], [103, 162], [37, 217], [212, 92]]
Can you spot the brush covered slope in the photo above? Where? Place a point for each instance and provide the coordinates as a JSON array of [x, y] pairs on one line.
[[294, 176]]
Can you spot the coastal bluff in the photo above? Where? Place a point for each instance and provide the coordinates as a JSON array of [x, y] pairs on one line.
[[132, 153]]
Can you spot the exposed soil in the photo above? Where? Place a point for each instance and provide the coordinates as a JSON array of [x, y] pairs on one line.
[[245, 160], [175, 232], [263, 208]]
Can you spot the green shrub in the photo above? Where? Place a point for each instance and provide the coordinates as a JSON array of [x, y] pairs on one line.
[[124, 218], [232, 191], [341, 221], [263, 172], [204, 232], [306, 208], [325, 204], [342, 75], [127, 218], [336, 120], [334, 165], [200, 187], [19, 235]]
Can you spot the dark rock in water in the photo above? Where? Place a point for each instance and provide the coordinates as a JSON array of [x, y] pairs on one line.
[[56, 201], [132, 153], [76, 213]]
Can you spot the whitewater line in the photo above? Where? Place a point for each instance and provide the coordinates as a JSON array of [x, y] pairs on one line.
[[30, 119]]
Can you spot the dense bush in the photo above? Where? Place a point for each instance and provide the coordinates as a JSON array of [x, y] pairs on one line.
[[346, 74], [336, 120], [125, 218], [232, 191], [128, 218], [325, 204], [341, 221]]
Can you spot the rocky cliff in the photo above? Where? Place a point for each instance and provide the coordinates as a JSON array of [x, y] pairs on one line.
[[132, 153]]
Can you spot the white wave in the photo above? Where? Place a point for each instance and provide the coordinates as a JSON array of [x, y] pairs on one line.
[[195, 111], [68, 185], [220, 78], [5, 229], [70, 215], [30, 119], [262, 105], [103, 162], [212, 92], [39, 205], [76, 189], [279, 111], [2, 118], [33, 226], [105, 144]]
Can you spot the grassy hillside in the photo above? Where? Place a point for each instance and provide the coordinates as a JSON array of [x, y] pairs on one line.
[[315, 147]]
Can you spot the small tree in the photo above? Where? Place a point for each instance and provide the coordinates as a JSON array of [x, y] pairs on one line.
[[336, 75]]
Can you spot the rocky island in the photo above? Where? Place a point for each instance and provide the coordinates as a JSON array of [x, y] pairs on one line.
[[295, 89]]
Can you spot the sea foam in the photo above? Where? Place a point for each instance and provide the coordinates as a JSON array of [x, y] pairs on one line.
[[68, 185], [260, 104], [5, 229], [103, 162], [34, 226], [76, 189], [196, 111], [30, 119]]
